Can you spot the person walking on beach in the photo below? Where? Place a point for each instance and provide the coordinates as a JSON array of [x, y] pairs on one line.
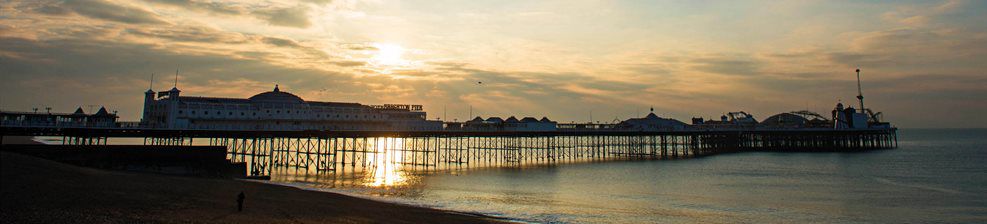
[[239, 201]]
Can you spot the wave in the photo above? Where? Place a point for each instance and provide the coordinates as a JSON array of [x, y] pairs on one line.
[[919, 186]]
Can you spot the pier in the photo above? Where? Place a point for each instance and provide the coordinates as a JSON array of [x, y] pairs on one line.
[[336, 151]]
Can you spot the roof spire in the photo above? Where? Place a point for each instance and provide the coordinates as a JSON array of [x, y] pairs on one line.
[[176, 76], [150, 85]]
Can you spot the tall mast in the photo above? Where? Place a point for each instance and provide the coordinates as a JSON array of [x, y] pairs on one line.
[[176, 78], [150, 86], [860, 93]]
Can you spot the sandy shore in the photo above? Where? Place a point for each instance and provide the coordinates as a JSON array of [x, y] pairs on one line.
[[35, 190]]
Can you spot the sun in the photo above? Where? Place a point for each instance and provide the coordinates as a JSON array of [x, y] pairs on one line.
[[389, 56]]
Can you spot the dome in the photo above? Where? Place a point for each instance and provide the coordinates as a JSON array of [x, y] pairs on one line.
[[652, 116], [785, 120], [276, 96]]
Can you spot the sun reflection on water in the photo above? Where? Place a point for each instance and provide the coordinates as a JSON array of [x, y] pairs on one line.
[[385, 169]]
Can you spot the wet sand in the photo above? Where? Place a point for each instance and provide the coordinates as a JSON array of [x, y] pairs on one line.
[[35, 190]]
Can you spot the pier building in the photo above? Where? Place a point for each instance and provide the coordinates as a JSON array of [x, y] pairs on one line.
[[862, 118], [796, 120], [730, 120], [510, 124], [651, 122], [277, 110], [851, 118], [77, 119]]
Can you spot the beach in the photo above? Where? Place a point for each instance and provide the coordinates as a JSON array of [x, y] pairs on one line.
[[35, 190]]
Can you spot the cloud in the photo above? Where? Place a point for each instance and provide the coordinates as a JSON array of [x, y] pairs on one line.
[[281, 42], [911, 67], [296, 16], [319, 1], [910, 48], [349, 63], [77, 68], [290, 17], [52, 9], [648, 69], [856, 60], [211, 7], [100, 9], [359, 47], [198, 34], [727, 66]]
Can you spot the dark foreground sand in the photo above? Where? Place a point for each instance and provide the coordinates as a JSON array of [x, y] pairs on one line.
[[19, 140], [35, 190]]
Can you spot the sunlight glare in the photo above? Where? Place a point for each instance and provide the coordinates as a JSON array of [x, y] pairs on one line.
[[389, 55], [386, 170]]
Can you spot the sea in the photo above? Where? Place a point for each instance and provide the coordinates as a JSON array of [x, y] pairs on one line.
[[934, 176]]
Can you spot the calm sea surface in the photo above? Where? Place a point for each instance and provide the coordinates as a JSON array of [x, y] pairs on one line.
[[934, 176]]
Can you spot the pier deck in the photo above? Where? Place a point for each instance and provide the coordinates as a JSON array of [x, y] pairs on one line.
[[329, 151]]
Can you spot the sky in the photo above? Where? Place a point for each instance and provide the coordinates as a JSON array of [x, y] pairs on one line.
[[923, 63]]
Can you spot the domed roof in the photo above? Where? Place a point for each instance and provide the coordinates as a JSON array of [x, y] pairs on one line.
[[785, 120], [651, 116], [276, 96]]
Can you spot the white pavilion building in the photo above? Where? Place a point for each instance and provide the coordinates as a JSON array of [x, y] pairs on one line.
[[277, 111]]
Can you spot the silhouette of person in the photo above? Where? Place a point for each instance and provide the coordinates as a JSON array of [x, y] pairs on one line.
[[239, 201]]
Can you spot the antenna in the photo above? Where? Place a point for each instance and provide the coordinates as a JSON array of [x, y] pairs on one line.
[[176, 76], [150, 86], [860, 93]]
